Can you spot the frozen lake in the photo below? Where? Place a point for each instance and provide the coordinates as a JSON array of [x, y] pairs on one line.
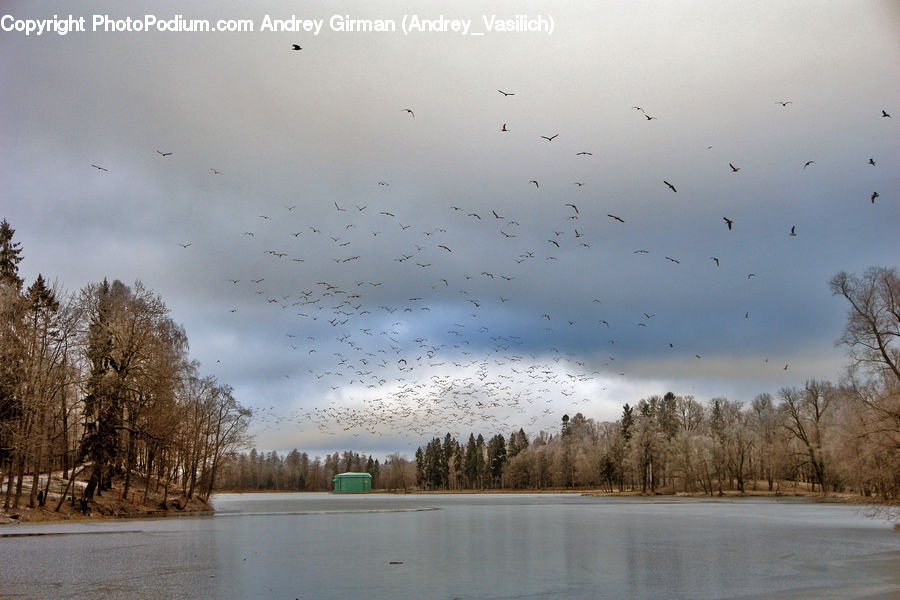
[[321, 546]]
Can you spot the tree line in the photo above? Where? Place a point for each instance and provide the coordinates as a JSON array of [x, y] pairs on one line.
[[297, 472], [99, 383], [832, 437]]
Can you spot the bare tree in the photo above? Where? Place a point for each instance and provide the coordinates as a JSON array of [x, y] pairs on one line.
[[872, 384]]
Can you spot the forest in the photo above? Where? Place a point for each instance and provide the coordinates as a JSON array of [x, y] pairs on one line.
[[98, 384]]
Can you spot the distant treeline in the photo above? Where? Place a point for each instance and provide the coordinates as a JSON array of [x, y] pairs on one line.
[[99, 383], [675, 444], [296, 472]]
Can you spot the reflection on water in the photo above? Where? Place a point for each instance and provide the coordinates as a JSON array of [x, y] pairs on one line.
[[317, 546]]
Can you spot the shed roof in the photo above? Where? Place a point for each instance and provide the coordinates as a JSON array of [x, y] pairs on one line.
[[353, 475]]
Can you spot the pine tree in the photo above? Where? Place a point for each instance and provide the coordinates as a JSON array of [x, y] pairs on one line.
[[496, 458], [10, 257]]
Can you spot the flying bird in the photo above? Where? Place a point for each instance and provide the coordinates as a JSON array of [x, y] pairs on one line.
[[409, 110], [874, 195], [671, 187], [728, 222], [809, 162], [793, 231], [296, 47], [534, 181], [575, 208], [185, 245], [872, 161], [507, 93], [551, 138], [99, 167], [649, 118], [584, 154], [619, 219], [673, 260], [734, 169], [715, 259], [216, 172], [445, 248], [504, 128], [884, 114], [641, 252], [163, 154], [783, 103]]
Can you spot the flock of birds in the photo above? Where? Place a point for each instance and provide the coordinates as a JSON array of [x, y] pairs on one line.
[[457, 352]]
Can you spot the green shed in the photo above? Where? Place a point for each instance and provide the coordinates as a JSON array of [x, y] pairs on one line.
[[352, 483]]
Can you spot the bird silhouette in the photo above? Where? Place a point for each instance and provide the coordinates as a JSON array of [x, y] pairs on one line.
[[551, 138], [809, 162], [619, 219], [671, 187], [874, 195], [793, 231], [783, 103], [296, 47], [673, 260], [734, 169], [507, 93], [504, 128], [99, 167], [534, 181], [872, 161], [715, 259], [409, 110], [885, 115], [728, 222], [185, 245], [164, 154]]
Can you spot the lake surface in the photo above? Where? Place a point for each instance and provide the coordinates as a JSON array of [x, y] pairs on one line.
[[529, 546]]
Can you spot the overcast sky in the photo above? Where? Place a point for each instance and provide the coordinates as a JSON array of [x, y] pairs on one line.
[[415, 278]]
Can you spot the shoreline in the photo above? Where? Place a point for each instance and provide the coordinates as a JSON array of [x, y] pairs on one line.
[[111, 506]]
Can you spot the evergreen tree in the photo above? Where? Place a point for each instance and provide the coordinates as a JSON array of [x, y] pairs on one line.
[[10, 257], [472, 463], [496, 458], [446, 457], [627, 422]]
